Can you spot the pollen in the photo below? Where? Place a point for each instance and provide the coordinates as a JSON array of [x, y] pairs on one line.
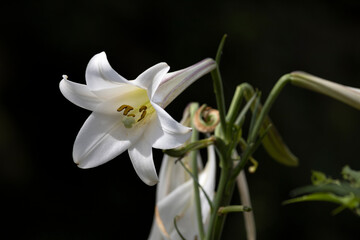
[[129, 120], [143, 114], [127, 108]]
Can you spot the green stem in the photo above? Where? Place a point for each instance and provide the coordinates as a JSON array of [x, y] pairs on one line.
[[218, 201], [234, 208], [218, 87], [235, 106], [241, 118], [222, 149], [252, 140], [241, 91], [194, 138], [228, 175], [267, 106], [220, 220]]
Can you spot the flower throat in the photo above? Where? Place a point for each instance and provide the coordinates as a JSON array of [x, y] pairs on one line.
[[130, 118]]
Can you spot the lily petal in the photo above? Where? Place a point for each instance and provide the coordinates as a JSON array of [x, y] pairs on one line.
[[124, 115], [151, 78], [126, 94], [164, 137], [207, 180], [118, 91], [176, 82], [155, 233], [174, 133], [187, 225], [175, 204], [175, 199], [79, 94], [171, 176], [142, 160], [101, 139], [100, 75]]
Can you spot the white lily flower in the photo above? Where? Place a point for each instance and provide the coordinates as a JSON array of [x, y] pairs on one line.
[[129, 115], [175, 198], [348, 95]]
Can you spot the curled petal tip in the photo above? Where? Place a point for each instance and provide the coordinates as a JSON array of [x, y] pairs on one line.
[[211, 63], [210, 60], [152, 183], [149, 181], [78, 164], [102, 54]]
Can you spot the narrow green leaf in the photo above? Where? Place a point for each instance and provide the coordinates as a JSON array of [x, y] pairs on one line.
[[332, 188], [328, 197], [348, 201], [218, 87]]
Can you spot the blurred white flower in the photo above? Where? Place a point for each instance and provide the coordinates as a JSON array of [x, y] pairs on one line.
[[175, 197], [129, 115]]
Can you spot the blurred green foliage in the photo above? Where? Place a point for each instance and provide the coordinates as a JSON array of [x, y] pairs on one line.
[[344, 192]]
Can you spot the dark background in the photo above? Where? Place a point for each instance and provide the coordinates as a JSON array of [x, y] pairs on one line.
[[45, 196]]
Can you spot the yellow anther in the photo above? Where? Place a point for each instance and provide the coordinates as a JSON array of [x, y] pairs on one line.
[[127, 109], [143, 110]]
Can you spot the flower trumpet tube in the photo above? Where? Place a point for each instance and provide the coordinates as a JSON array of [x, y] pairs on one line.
[[129, 115], [175, 201], [348, 95]]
